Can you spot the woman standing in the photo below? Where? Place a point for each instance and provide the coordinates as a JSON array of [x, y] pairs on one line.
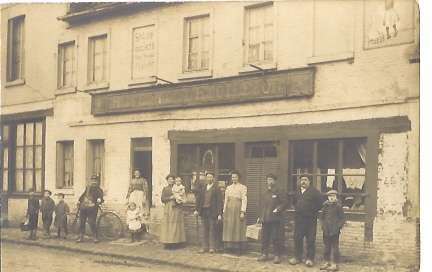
[[234, 223], [173, 231], [137, 193]]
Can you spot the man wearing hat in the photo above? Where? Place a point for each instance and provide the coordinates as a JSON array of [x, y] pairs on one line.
[[274, 202], [307, 201], [93, 193], [209, 204]]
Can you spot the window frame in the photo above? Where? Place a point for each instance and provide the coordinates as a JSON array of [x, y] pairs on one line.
[[200, 37], [90, 162], [73, 65], [12, 50], [246, 35], [61, 164], [104, 59]]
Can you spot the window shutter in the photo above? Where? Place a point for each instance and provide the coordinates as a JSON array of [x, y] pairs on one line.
[[60, 166]]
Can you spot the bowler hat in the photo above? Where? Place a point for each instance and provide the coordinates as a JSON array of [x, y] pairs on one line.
[[48, 191], [332, 192], [210, 172], [271, 175]]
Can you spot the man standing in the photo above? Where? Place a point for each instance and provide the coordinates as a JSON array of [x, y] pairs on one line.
[[273, 203], [209, 205], [307, 202], [92, 197]]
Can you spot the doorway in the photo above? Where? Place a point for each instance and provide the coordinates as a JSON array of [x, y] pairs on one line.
[[142, 159]]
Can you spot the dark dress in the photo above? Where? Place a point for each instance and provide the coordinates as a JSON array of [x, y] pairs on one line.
[[33, 211], [173, 230]]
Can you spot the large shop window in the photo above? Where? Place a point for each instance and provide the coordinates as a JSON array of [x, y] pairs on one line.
[[22, 158], [194, 161], [259, 34], [335, 164], [95, 160], [65, 164]]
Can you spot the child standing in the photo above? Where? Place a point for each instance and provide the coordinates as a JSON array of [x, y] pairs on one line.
[[33, 213], [332, 220], [47, 208], [61, 209], [133, 221], [391, 17], [179, 191]]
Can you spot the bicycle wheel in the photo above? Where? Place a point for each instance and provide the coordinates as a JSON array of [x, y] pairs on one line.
[[110, 225], [70, 223]]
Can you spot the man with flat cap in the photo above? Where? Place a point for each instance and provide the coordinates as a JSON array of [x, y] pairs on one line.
[[93, 194], [209, 204], [307, 201], [274, 202]]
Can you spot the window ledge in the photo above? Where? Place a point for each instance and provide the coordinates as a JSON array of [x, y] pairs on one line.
[[195, 74], [138, 81], [332, 58], [265, 66], [16, 82], [96, 86], [65, 90]]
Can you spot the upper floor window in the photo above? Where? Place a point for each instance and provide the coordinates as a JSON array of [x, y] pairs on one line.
[[259, 34], [198, 43], [66, 69], [15, 48], [98, 59]]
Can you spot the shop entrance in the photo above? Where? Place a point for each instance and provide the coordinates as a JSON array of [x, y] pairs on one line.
[[261, 160], [142, 159]]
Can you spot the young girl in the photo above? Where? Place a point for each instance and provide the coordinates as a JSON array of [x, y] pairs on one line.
[[178, 191], [133, 221], [391, 17]]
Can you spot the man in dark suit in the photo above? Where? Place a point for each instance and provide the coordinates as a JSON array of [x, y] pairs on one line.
[[209, 206]]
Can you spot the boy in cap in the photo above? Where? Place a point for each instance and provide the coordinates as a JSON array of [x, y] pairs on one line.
[[47, 208], [61, 209], [332, 220], [33, 213]]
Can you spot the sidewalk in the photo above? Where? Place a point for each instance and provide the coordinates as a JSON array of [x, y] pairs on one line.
[[153, 252]]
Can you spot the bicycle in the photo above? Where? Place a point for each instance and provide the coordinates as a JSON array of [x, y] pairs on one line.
[[108, 224]]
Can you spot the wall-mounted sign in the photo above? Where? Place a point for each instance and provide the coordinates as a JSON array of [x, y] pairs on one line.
[[278, 85], [144, 52]]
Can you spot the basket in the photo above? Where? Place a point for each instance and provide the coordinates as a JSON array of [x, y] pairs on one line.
[[254, 231], [25, 224]]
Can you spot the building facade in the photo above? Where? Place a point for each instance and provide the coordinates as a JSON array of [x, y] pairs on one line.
[[323, 87]]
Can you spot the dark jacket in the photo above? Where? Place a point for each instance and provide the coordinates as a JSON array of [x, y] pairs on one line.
[[332, 218], [274, 198], [47, 205], [95, 192], [216, 201], [307, 204], [33, 206]]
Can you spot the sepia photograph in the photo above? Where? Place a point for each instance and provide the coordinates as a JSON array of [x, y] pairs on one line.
[[159, 136]]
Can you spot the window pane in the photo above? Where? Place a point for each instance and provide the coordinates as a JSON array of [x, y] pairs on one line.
[[205, 43], [268, 15], [193, 61], [268, 51], [254, 53], [204, 60], [5, 180], [270, 151], [38, 180], [29, 157], [39, 133], [207, 159], [194, 28], [303, 157], [206, 26], [268, 33], [19, 160], [328, 155], [29, 134], [254, 35], [254, 17], [5, 133], [19, 180], [188, 158], [20, 134], [193, 45], [226, 156], [28, 179], [38, 157], [5, 157]]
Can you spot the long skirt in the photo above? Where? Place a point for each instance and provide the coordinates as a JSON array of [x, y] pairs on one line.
[[173, 230], [234, 229], [138, 198]]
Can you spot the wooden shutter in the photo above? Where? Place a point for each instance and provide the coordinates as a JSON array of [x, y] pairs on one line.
[[256, 182]]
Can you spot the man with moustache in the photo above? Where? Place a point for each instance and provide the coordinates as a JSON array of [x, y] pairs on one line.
[[274, 202], [209, 204], [307, 201]]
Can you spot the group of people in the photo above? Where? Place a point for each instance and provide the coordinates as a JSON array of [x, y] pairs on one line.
[[213, 210], [47, 207]]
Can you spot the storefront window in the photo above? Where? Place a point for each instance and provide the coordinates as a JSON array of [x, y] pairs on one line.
[[196, 160], [331, 161]]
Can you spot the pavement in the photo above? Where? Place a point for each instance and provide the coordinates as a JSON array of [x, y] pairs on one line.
[[150, 250]]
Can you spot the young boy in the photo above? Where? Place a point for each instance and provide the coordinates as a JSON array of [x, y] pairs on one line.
[[61, 209], [33, 213], [47, 208], [332, 220]]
